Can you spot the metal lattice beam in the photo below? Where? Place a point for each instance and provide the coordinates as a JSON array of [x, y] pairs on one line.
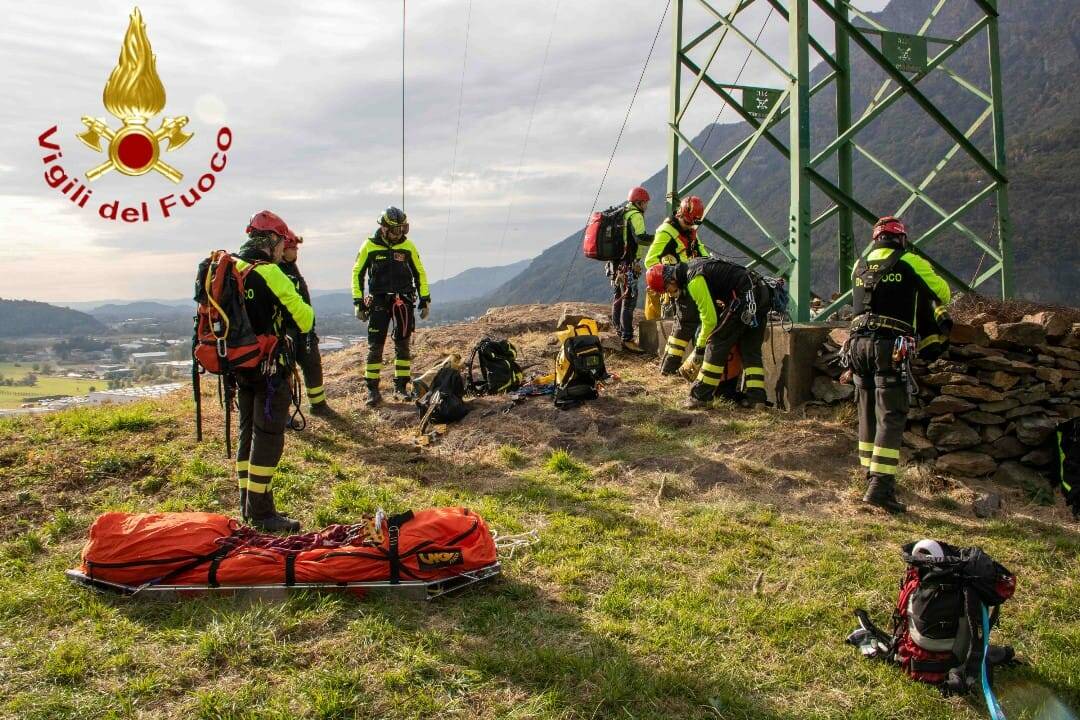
[[807, 178]]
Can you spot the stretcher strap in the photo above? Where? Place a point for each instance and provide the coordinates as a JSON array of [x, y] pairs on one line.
[[290, 570]]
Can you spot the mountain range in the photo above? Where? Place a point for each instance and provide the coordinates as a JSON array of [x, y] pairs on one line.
[[1040, 56]]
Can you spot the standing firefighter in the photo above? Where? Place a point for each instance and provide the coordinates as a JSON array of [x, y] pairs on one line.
[[624, 273], [897, 298], [395, 276], [676, 241], [263, 395], [732, 304], [305, 345]]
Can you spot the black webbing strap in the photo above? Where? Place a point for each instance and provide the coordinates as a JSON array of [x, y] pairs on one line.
[[931, 666], [211, 573], [290, 570], [393, 526]]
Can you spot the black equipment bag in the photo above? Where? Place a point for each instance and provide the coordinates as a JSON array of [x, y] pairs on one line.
[[447, 392], [499, 369], [579, 368]]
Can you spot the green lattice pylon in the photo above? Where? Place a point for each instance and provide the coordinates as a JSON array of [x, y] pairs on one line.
[[906, 60]]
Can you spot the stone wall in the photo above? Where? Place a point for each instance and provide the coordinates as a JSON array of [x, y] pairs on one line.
[[991, 403]]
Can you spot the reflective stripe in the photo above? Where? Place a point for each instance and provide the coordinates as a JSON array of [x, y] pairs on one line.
[[374, 366], [371, 375], [863, 445], [879, 254], [242, 466], [755, 384], [675, 352], [677, 342], [713, 368], [242, 483], [754, 372], [939, 311], [403, 363], [886, 452], [931, 340], [864, 461], [258, 487], [315, 391], [706, 380], [263, 470], [402, 372], [884, 469]]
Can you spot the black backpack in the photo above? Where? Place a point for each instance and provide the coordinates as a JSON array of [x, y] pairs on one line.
[[446, 395], [499, 369], [580, 367], [605, 235]]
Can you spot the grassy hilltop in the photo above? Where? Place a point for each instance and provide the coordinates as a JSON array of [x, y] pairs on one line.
[[691, 564]]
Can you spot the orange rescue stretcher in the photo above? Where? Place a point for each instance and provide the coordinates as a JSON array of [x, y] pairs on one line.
[[421, 555]]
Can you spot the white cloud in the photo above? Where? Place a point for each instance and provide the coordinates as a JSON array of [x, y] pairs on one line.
[[312, 94]]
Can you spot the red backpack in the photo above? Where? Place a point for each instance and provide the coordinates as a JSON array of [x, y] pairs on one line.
[[224, 340], [605, 235]]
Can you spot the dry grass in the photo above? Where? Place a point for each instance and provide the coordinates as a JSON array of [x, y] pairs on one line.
[[692, 564]]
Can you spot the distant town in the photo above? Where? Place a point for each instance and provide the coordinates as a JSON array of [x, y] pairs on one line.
[[39, 374]]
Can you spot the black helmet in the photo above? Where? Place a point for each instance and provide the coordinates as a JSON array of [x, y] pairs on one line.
[[393, 217]]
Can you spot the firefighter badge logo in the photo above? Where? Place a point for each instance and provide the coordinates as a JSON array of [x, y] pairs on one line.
[[134, 94]]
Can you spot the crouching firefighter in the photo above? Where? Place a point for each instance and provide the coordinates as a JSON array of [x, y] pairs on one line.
[[899, 310], [395, 276], [676, 241], [732, 305], [263, 394], [305, 344]]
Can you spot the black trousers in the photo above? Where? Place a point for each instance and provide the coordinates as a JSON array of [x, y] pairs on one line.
[[264, 412], [883, 403], [625, 297], [749, 339], [384, 317], [687, 323], [306, 347]]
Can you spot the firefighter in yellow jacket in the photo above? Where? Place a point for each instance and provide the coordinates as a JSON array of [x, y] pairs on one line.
[[900, 308], [396, 281], [676, 241]]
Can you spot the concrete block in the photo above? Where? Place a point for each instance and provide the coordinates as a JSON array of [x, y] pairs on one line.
[[653, 335], [789, 361]]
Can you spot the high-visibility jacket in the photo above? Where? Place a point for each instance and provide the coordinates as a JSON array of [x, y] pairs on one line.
[[293, 273], [390, 268], [671, 240], [634, 232], [271, 299], [910, 291], [710, 281]]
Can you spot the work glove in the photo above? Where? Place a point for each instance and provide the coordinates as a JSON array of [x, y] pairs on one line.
[[692, 365], [360, 310], [425, 308]]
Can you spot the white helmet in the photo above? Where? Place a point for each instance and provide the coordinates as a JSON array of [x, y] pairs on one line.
[[929, 549]]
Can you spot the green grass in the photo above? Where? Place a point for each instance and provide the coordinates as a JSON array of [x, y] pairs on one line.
[[633, 604]]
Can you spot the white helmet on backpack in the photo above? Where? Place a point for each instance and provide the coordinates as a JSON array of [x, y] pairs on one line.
[[928, 549]]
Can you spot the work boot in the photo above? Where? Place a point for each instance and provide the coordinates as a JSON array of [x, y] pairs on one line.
[[401, 389], [374, 397], [692, 403], [632, 347], [321, 409], [265, 516], [881, 491]]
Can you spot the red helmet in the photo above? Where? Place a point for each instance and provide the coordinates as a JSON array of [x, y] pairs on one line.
[[889, 226], [293, 240], [654, 278], [691, 210], [266, 221], [638, 195]]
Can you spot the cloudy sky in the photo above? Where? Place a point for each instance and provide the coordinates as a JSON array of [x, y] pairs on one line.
[[312, 94]]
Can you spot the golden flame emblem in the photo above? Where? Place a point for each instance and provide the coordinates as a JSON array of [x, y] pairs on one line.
[[134, 94]]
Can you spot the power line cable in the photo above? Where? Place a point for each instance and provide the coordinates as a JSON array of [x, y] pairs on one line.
[[457, 132], [618, 139]]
